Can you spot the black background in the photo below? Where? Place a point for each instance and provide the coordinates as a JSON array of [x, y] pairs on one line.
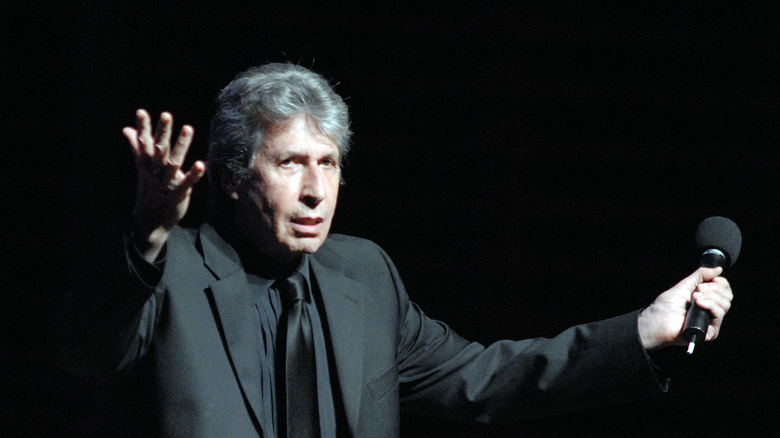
[[527, 166]]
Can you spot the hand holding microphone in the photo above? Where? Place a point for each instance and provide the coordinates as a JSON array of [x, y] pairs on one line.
[[693, 309], [719, 241]]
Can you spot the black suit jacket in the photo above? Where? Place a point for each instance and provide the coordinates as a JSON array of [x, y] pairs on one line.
[[196, 327]]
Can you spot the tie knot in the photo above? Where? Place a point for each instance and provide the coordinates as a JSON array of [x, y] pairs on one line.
[[293, 288]]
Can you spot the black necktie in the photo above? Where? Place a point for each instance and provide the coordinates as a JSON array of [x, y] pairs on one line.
[[300, 390]]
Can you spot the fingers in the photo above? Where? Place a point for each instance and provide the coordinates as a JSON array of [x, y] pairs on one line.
[[141, 138], [716, 304], [716, 297], [157, 162], [156, 151], [688, 285], [179, 150], [704, 275], [717, 288], [162, 133], [700, 276], [144, 132], [193, 176], [132, 137]]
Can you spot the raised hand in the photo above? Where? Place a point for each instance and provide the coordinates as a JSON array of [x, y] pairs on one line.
[[163, 188]]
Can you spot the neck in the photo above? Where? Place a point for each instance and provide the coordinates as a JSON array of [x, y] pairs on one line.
[[255, 258]]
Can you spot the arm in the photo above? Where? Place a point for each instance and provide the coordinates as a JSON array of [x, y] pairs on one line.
[[106, 320], [585, 366]]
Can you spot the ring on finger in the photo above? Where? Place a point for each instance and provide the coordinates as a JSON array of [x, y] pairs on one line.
[[160, 146]]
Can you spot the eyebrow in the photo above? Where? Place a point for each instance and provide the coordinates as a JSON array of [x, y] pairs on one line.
[[332, 155]]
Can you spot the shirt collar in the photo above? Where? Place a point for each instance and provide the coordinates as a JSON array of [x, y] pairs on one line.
[[303, 268]]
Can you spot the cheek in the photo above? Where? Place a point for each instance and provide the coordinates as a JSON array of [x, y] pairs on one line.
[[333, 195], [262, 204], [280, 207], [332, 211]]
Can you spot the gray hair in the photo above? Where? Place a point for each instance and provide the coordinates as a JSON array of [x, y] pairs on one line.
[[260, 98]]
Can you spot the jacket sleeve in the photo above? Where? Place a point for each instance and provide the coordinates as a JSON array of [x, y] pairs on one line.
[[588, 365], [106, 321]]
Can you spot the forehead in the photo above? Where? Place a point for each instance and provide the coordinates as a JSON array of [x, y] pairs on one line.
[[299, 135]]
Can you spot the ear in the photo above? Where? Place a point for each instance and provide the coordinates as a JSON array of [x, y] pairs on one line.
[[229, 184]]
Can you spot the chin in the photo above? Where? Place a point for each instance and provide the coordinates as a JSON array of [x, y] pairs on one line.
[[305, 245], [312, 247]]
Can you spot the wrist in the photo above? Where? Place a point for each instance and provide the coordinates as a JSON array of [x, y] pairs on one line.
[[646, 332], [148, 241]]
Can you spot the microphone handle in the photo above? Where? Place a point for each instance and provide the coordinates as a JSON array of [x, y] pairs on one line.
[[698, 319]]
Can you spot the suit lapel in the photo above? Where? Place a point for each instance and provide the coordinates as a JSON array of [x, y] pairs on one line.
[[343, 299], [235, 309]]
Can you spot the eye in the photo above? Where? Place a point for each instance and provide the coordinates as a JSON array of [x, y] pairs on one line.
[[328, 162], [288, 162]]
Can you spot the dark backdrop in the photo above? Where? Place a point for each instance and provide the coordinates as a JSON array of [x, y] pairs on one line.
[[527, 166]]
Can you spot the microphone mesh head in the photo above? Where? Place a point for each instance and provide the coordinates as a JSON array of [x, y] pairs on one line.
[[720, 233]]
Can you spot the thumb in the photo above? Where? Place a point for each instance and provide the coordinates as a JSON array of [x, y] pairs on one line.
[[699, 276], [707, 274]]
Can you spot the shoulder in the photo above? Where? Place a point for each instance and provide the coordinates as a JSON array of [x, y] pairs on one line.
[[354, 252], [181, 238], [184, 234], [351, 247], [352, 243], [364, 262], [188, 243]]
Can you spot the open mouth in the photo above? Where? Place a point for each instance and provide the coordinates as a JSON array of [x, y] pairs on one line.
[[307, 226]]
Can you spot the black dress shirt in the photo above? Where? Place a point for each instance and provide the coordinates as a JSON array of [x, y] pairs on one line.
[[269, 311]]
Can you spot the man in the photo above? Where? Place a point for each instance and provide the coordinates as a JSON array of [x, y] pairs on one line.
[[206, 308]]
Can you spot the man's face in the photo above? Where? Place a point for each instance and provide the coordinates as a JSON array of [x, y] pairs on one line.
[[287, 204]]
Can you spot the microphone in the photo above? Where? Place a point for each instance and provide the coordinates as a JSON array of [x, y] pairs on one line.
[[719, 241]]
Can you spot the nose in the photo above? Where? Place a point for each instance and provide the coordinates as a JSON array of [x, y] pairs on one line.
[[313, 186]]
